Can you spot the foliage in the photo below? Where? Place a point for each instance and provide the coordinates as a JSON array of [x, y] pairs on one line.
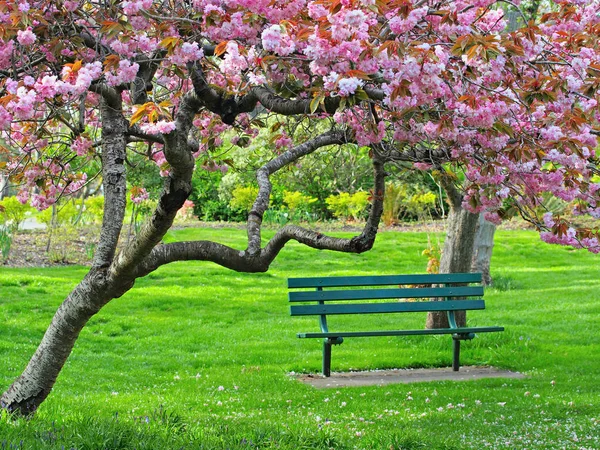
[[420, 204], [5, 241], [13, 212], [208, 205], [348, 206], [243, 198], [154, 382], [344, 169], [94, 208], [300, 206], [297, 201], [402, 202], [62, 213]]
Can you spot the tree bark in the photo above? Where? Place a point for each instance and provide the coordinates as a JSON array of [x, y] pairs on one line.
[[482, 249], [458, 248], [114, 178], [3, 186], [35, 383]]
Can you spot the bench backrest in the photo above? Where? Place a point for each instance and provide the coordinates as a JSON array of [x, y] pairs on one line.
[[443, 286]]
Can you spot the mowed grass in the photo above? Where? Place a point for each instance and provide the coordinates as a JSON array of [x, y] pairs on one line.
[[198, 357]]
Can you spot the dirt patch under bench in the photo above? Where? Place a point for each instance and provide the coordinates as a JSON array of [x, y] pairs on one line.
[[395, 376]]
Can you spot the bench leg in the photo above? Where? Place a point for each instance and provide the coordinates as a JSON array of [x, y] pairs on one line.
[[326, 358], [456, 355]]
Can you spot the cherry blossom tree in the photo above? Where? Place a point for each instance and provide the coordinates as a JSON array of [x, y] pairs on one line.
[[429, 82]]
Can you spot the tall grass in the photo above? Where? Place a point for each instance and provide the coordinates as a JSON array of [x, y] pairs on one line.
[[196, 356]]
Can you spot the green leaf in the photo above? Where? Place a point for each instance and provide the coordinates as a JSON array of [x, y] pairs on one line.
[[315, 102]]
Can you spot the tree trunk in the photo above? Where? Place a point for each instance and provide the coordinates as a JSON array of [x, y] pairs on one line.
[[36, 381], [482, 251], [458, 249], [96, 289]]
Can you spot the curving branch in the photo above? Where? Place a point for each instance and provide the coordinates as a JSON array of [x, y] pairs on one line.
[[357, 244], [244, 261], [414, 153], [229, 107], [264, 185], [289, 107]]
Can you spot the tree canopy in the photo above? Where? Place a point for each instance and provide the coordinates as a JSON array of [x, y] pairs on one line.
[[425, 82]]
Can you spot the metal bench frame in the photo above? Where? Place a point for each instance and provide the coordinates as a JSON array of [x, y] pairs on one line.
[[446, 293]]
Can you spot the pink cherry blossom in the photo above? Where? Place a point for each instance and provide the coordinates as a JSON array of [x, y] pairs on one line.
[[26, 37], [138, 195]]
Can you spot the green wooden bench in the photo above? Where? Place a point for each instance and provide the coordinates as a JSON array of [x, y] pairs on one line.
[[363, 295]]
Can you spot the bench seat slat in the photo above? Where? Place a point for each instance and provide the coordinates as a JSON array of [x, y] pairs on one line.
[[372, 294], [401, 332], [376, 308], [383, 280]]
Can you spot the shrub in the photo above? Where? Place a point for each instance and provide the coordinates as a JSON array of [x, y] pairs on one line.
[[13, 212], [208, 204], [348, 206], [300, 206], [94, 208], [59, 214], [421, 204], [243, 198], [404, 203], [186, 212], [297, 201]]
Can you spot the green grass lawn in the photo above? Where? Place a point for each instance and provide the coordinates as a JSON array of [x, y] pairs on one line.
[[196, 356]]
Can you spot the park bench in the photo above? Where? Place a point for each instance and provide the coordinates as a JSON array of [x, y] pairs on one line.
[[404, 293]]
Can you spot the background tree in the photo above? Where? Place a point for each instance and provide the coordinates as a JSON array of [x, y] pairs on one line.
[[428, 82], [468, 247], [483, 246]]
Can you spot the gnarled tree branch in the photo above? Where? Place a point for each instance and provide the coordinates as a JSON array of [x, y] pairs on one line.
[[229, 107], [264, 185], [244, 261]]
